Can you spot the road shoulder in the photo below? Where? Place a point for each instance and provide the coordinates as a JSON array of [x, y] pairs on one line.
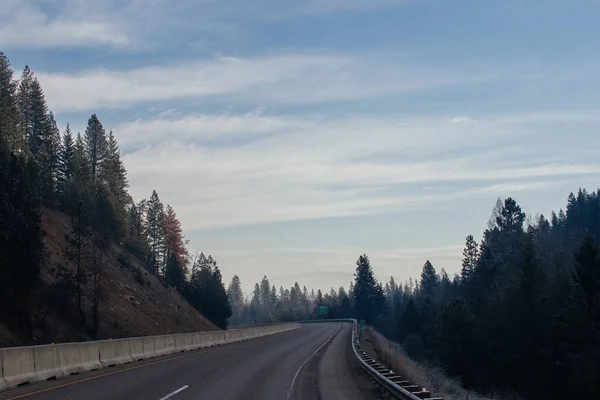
[[339, 376]]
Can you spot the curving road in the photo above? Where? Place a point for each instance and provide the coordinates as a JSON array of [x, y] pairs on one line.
[[313, 362]]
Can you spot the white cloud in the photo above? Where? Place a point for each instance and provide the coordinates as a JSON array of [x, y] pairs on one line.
[[26, 24], [276, 79], [133, 24], [200, 128], [461, 120], [312, 167]]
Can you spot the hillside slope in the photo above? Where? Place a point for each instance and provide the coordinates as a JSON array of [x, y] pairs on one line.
[[134, 302]]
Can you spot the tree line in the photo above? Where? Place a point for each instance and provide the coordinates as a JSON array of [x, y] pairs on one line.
[[521, 317], [269, 304], [83, 176]]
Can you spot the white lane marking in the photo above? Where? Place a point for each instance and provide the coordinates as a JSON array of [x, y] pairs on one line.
[[289, 395], [181, 389], [221, 369]]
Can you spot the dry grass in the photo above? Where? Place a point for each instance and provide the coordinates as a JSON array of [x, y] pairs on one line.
[[135, 303], [433, 379]]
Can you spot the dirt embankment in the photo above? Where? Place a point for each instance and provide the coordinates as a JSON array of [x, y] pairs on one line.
[[134, 302]]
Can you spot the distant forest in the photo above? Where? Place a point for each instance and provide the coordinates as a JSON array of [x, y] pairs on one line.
[[82, 175], [523, 316]]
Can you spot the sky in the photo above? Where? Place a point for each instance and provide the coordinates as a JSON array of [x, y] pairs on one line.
[[292, 136]]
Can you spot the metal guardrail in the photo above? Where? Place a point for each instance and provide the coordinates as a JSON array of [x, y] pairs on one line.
[[370, 365], [385, 377]]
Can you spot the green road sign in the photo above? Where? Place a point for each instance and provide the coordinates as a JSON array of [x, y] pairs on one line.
[[362, 324], [323, 310]]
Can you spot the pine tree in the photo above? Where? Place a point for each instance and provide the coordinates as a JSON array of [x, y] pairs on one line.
[[470, 258], [9, 113], [113, 171], [137, 236], [368, 297], [24, 101], [429, 280], [96, 144], [174, 240], [207, 293], [156, 234], [66, 162], [38, 132], [511, 217], [496, 212], [236, 299], [175, 272], [255, 303], [49, 162], [79, 252], [265, 294]]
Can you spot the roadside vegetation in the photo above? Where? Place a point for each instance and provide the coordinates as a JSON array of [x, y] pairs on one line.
[[46, 169]]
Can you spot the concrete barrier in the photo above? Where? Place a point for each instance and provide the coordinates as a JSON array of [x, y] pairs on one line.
[[149, 348], [237, 335], [2, 383], [170, 344], [184, 342], [219, 338], [47, 363], [212, 338], [78, 357], [203, 339], [137, 349], [34, 363], [159, 345], [233, 336], [252, 333], [115, 352], [179, 343], [18, 366]]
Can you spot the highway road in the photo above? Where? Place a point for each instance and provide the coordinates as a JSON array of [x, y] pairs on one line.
[[310, 363]]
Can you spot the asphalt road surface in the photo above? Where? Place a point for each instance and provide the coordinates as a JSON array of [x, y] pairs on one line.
[[312, 363]]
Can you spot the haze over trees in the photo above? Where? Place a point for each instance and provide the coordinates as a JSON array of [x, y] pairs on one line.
[[523, 315], [83, 176]]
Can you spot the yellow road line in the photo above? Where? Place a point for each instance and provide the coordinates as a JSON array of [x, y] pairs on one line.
[[108, 374]]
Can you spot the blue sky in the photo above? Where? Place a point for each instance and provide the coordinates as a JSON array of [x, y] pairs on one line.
[[292, 136]]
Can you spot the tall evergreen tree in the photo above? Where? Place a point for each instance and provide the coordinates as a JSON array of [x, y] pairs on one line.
[[511, 217], [470, 258], [66, 162], [24, 104], [38, 124], [429, 280], [236, 299], [49, 162], [175, 272], [207, 293], [174, 240], [156, 235], [137, 240], [79, 253], [96, 144], [368, 296], [9, 113], [113, 171]]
